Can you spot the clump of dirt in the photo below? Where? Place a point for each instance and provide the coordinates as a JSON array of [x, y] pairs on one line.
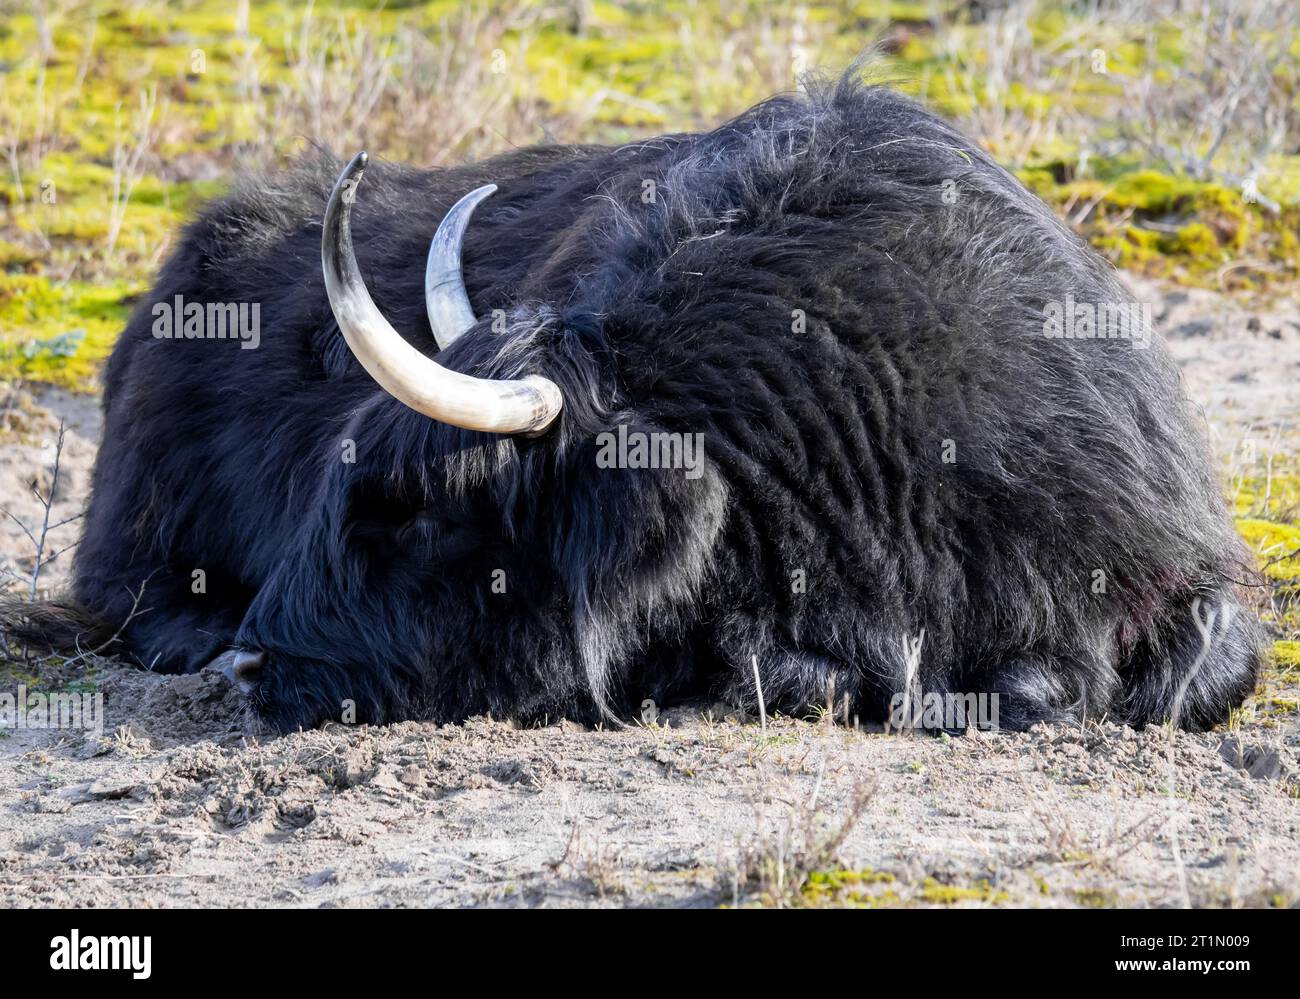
[[174, 710]]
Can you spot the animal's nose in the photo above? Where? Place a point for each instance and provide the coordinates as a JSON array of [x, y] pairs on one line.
[[244, 669]]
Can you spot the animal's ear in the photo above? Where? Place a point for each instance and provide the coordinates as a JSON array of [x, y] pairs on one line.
[[634, 544]]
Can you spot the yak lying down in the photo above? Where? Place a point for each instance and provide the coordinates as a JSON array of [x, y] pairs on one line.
[[794, 392]]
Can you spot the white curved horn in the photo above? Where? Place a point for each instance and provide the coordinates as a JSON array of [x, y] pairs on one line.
[[450, 313], [528, 405]]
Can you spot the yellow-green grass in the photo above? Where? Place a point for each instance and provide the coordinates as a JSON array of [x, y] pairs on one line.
[[1277, 545], [1266, 501], [869, 889], [1287, 655], [838, 888]]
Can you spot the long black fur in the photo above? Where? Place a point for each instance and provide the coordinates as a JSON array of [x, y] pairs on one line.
[[799, 291]]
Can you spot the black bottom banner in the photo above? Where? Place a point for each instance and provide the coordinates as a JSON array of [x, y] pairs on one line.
[[334, 948]]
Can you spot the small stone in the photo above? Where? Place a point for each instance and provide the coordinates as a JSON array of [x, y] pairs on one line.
[[1260, 762], [321, 878], [387, 780], [110, 789], [1194, 327], [1267, 765], [412, 776]]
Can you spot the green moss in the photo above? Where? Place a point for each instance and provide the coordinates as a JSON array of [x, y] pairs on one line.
[[838, 879], [849, 889], [1285, 247], [1275, 496], [1152, 192], [58, 334], [1225, 214], [1132, 247], [14, 258], [1096, 898], [938, 893], [1128, 213], [1196, 240], [1287, 654], [1278, 546]]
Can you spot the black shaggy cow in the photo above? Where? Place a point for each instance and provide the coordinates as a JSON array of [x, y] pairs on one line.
[[864, 318]]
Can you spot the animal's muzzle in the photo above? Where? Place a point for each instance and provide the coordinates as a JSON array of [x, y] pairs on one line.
[[244, 669]]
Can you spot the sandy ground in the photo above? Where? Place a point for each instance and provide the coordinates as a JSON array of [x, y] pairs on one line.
[[180, 802]]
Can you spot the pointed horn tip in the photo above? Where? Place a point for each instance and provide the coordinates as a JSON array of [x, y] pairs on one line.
[[339, 206], [474, 197], [356, 166]]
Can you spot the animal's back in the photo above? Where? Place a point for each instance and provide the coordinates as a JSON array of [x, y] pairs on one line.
[[850, 300]]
